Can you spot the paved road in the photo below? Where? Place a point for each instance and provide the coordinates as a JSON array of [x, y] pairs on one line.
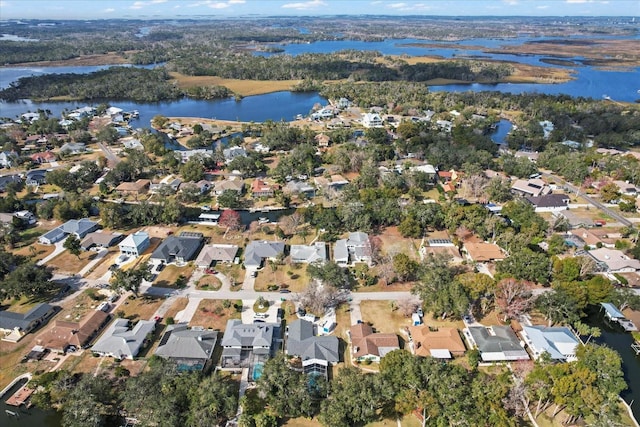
[[613, 214]]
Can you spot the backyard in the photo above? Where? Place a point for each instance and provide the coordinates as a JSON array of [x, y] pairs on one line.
[[67, 263], [141, 308], [173, 276]]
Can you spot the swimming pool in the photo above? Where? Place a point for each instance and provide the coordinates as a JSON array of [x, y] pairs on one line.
[[257, 371]]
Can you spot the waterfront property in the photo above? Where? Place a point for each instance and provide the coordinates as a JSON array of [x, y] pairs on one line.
[[14, 326], [190, 348], [558, 342], [258, 251], [308, 254], [612, 313]]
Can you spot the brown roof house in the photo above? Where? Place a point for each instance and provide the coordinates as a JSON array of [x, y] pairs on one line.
[[141, 186], [484, 252], [65, 335], [367, 345], [259, 188], [441, 343]]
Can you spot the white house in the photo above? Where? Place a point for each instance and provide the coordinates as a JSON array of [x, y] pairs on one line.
[[135, 244], [356, 248], [371, 120], [559, 342]]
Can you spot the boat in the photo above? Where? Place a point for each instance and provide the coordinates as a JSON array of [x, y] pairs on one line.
[[263, 220]]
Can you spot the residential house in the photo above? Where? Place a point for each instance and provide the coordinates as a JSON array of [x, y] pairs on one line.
[[324, 113], [73, 148], [483, 252], [14, 326], [245, 345], [444, 125], [316, 353], [78, 227], [308, 254], [9, 179], [344, 103], [426, 169], [614, 261], [132, 144], [549, 202], [216, 253], [178, 249], [371, 120], [323, 140], [8, 158], [257, 251], [135, 244], [231, 153], [36, 177], [574, 219], [141, 186], [189, 348], [300, 187], [367, 345], [355, 248], [333, 183], [547, 128], [100, 239], [558, 342], [203, 185], [588, 237], [626, 188], [27, 217], [121, 342], [496, 343], [530, 187], [46, 157], [441, 343], [236, 185], [260, 188], [70, 336]]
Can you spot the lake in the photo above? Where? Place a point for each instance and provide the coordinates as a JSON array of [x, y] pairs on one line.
[[32, 417]]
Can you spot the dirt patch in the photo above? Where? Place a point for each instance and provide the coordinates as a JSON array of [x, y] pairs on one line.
[[212, 313], [141, 308], [209, 282], [393, 243], [67, 263], [382, 316], [172, 275], [179, 305], [241, 87], [35, 251]]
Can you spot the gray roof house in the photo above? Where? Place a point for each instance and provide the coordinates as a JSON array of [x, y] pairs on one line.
[[120, 342], [36, 177], [549, 202], [231, 153], [317, 353], [13, 326], [7, 158], [100, 239], [559, 342], [135, 244], [496, 343], [190, 348], [179, 249], [79, 227], [216, 253], [245, 344], [73, 148], [308, 254], [259, 250], [8, 179], [356, 248]]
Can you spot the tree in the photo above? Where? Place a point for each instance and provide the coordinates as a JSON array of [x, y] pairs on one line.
[[405, 268], [230, 219], [609, 192], [131, 279], [526, 265], [193, 169], [229, 199], [28, 279], [330, 273], [72, 244], [213, 402], [318, 298], [557, 306], [89, 402], [513, 298], [438, 291]]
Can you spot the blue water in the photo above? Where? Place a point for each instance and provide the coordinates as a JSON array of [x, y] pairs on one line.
[[257, 371], [503, 129]]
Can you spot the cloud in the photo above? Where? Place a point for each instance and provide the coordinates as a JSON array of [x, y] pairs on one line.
[[108, 10], [398, 5], [312, 4], [542, 7], [143, 4], [216, 4], [510, 2], [376, 2]]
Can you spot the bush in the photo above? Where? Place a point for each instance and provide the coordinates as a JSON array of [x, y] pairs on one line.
[[621, 279], [170, 321]]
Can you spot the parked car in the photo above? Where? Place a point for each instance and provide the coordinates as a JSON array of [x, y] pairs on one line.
[[104, 306], [159, 268], [285, 291]]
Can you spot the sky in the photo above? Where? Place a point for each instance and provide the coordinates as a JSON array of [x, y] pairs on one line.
[[145, 9]]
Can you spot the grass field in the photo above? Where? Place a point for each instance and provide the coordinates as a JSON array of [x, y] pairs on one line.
[[71, 264], [295, 277], [177, 306], [141, 308], [35, 251], [209, 282], [168, 277], [211, 313]]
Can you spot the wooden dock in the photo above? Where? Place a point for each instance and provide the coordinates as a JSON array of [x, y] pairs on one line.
[[20, 397], [612, 313]]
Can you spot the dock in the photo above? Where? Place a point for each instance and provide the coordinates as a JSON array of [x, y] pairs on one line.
[[612, 313], [20, 397]]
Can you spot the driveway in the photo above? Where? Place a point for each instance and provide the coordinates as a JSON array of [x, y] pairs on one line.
[[189, 311], [248, 315], [99, 256], [59, 248], [354, 311]]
